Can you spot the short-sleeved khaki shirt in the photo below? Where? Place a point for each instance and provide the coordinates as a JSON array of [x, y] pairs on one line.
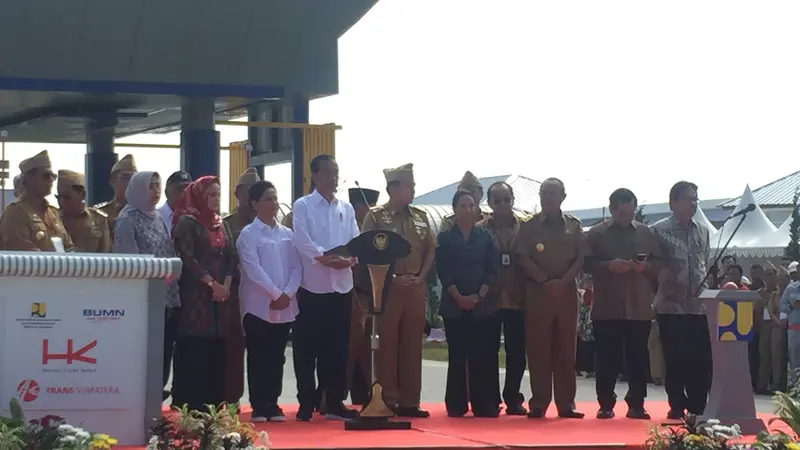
[[90, 231], [412, 224], [24, 228]]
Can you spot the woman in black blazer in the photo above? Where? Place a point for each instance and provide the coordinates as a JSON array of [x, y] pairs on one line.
[[466, 264]]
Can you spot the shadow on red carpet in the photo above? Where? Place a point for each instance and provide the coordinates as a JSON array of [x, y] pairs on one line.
[[442, 432]]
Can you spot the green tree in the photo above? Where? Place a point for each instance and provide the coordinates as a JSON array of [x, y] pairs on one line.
[[639, 215], [793, 249]]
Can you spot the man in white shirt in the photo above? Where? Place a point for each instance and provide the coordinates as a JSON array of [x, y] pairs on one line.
[[175, 185], [271, 275], [321, 222]]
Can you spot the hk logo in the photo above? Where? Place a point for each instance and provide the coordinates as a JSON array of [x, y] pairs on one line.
[[28, 390], [38, 310], [71, 355]]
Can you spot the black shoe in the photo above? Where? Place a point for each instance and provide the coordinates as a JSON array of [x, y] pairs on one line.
[[638, 413], [570, 414], [486, 413], [416, 412], [455, 414], [274, 413], [536, 413], [166, 394], [305, 413], [605, 414], [516, 409], [339, 412], [675, 414]]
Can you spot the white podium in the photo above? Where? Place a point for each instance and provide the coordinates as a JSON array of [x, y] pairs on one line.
[[730, 325], [83, 338]]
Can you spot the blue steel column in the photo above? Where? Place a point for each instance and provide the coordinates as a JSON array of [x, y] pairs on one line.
[[261, 138], [199, 139], [100, 158], [299, 114]]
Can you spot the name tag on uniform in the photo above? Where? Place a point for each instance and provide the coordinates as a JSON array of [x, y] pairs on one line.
[[505, 260], [58, 244]]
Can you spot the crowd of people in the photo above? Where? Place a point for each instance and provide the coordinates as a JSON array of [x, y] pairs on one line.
[[558, 298]]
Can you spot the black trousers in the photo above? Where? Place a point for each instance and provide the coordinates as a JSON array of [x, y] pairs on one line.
[[360, 386], [612, 338], [513, 324], [266, 355], [472, 365], [687, 354], [171, 317], [320, 339], [584, 356], [199, 375], [754, 359]]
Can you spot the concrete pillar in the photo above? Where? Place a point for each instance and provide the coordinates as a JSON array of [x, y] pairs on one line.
[[199, 138], [100, 158], [297, 112], [261, 139]]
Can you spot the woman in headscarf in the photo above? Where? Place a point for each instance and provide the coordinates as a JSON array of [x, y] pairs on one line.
[[140, 230], [208, 258]]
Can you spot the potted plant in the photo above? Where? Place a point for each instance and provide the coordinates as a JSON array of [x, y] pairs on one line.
[[219, 428]]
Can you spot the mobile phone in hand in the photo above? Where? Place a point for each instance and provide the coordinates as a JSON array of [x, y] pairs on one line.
[[641, 257]]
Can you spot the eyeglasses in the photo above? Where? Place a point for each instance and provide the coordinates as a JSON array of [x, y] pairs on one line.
[[506, 200]]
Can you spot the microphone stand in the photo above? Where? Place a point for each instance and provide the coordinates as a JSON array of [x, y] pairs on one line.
[[720, 254]]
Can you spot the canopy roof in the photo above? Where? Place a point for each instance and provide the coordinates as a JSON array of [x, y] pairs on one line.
[[701, 218]]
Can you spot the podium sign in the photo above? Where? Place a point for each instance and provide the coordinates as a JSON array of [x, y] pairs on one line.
[[83, 338], [730, 326]]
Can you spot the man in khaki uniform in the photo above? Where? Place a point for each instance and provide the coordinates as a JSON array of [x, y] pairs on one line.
[[402, 324], [30, 223], [287, 220], [121, 174], [471, 184], [87, 227], [550, 247], [658, 370], [772, 364], [234, 223], [17, 186], [358, 361]]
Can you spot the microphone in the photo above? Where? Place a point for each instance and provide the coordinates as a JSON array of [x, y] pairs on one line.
[[364, 197], [748, 209]]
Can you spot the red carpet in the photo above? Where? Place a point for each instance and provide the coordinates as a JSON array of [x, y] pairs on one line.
[[442, 432]]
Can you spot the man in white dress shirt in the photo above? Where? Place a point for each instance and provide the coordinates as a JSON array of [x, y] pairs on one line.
[[321, 222], [271, 275], [175, 185]]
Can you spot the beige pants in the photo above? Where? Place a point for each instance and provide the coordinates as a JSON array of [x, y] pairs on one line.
[[401, 328]]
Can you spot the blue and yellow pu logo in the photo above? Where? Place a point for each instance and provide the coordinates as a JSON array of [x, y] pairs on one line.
[[38, 310], [735, 321]]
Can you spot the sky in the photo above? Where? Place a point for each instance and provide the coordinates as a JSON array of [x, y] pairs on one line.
[[600, 94]]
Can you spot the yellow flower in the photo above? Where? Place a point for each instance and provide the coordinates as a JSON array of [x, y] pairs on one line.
[[103, 442], [793, 446]]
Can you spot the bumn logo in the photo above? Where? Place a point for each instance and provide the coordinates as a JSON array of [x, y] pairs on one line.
[[28, 390], [71, 355], [38, 310], [100, 315]]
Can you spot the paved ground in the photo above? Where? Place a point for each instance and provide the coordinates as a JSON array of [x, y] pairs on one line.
[[433, 382]]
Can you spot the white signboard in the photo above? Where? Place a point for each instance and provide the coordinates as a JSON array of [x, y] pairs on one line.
[[74, 344]]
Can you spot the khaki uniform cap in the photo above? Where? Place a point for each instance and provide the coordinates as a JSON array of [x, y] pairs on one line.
[[248, 178], [126, 164], [403, 173], [470, 181], [68, 178], [41, 160]]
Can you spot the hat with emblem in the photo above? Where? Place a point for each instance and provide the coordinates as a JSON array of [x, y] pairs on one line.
[[179, 177], [357, 195], [40, 160], [126, 164], [402, 173], [68, 178], [249, 177], [470, 181]]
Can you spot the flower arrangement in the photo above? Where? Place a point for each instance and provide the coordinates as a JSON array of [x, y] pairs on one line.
[[787, 410], [693, 434], [48, 433], [217, 429]]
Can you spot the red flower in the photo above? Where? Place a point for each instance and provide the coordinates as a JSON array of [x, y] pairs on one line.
[[52, 421]]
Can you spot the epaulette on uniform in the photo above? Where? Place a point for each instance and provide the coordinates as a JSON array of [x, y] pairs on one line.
[[98, 211], [101, 205], [571, 217], [227, 216], [377, 208]]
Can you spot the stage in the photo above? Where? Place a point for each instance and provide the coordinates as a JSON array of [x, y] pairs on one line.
[[441, 432]]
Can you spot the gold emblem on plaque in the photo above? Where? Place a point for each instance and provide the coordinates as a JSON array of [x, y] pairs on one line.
[[380, 241], [540, 247]]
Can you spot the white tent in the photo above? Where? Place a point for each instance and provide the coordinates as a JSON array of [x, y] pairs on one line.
[[780, 238], [701, 218], [756, 226]]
